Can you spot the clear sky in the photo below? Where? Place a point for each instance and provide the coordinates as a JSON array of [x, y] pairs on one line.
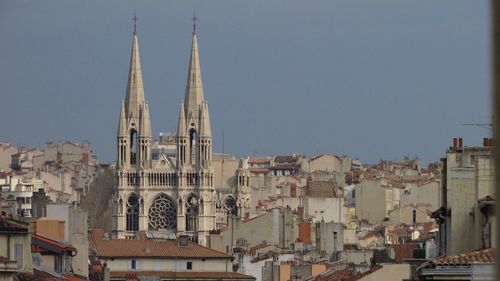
[[370, 79]]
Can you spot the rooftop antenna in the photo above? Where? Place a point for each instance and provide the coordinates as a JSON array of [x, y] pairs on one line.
[[135, 19], [195, 19], [488, 126]]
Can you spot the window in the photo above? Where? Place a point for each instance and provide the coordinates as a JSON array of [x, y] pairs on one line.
[[58, 264], [132, 213], [132, 264], [18, 252], [133, 146], [189, 265]]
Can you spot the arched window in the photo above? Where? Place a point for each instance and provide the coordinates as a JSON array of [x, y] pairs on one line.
[[192, 211], [133, 146], [132, 213], [162, 214], [193, 145]]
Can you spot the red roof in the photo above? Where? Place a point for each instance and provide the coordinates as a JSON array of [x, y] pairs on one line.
[[258, 160], [464, 259], [148, 247], [259, 170], [57, 244]]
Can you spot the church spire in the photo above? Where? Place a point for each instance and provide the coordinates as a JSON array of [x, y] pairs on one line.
[[135, 92], [194, 87], [205, 128], [181, 128], [145, 129], [122, 124]]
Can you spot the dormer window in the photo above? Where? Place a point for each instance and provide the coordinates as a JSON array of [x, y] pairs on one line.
[[183, 241]]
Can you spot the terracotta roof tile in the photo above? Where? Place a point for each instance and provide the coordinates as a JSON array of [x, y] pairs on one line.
[[464, 259], [259, 170], [8, 225], [144, 247], [60, 245], [258, 160]]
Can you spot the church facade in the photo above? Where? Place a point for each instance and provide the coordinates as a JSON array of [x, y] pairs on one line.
[[170, 194]]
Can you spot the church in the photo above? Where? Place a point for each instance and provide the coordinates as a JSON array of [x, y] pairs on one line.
[[170, 194]]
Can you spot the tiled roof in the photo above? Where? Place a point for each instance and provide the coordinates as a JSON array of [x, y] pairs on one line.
[[43, 275], [259, 170], [144, 247], [183, 275], [464, 259], [42, 241], [9, 225], [258, 160]]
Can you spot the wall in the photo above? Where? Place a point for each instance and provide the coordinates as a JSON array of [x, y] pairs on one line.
[[76, 232], [317, 269], [157, 264], [468, 176], [358, 256], [323, 162], [14, 239], [325, 239], [6, 151], [279, 230], [389, 272], [405, 215], [50, 227], [255, 269], [225, 167], [285, 274], [427, 193], [325, 209], [320, 189], [373, 201]]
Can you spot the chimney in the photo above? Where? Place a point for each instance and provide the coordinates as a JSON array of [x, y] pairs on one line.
[[460, 143], [455, 142]]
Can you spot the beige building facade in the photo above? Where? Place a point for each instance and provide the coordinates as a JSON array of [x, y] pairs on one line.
[[467, 200]]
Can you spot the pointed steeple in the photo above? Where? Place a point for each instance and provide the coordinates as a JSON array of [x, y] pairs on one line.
[[122, 124], [181, 127], [205, 128], [145, 129], [135, 91], [194, 87]]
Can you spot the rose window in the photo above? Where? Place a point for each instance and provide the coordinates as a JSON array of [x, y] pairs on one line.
[[162, 214]]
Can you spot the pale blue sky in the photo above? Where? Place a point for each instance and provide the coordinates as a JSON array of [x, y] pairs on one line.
[[370, 79]]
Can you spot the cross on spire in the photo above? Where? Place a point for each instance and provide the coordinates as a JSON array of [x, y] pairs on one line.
[[135, 19], [195, 19]]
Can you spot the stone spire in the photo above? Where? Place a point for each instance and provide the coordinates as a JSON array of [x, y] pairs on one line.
[[194, 87], [205, 128], [181, 127], [145, 129], [135, 91], [122, 124]]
